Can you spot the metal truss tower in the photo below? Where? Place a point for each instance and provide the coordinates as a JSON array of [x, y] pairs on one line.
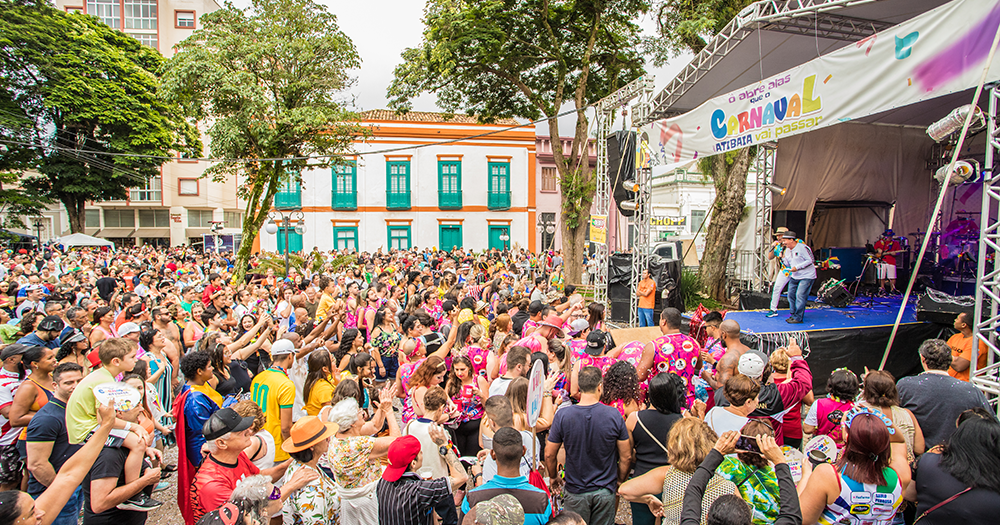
[[641, 88], [988, 271], [764, 165]]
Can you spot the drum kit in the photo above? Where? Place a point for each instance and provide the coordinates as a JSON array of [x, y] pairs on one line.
[[958, 246]]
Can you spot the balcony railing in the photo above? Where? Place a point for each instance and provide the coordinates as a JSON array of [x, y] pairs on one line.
[[288, 200], [498, 200], [397, 201], [344, 201], [449, 200]]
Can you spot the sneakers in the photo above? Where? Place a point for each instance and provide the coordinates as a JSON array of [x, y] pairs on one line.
[[771, 313], [161, 486], [140, 502]]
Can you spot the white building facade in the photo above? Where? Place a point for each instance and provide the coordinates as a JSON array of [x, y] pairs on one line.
[[404, 189]]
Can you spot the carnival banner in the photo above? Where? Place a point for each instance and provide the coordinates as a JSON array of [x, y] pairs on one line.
[[940, 52]]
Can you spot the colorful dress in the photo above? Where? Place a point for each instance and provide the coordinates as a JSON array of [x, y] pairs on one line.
[[469, 404], [478, 357], [864, 503], [387, 342], [315, 504], [758, 486], [677, 353], [405, 373]]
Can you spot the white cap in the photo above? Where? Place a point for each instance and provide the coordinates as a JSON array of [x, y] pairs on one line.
[[128, 328], [282, 347], [751, 364]]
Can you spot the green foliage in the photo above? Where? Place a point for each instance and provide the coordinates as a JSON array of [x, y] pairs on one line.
[[686, 25], [577, 191], [690, 289], [527, 59], [69, 81], [270, 81]]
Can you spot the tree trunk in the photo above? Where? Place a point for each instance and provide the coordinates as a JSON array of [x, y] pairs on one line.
[[76, 212], [730, 201], [259, 201]]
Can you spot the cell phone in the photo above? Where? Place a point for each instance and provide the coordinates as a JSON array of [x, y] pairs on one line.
[[747, 444]]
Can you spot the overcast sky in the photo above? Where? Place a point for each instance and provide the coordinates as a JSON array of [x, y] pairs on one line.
[[381, 29]]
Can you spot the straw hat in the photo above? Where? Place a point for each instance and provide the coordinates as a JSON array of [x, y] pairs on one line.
[[306, 432]]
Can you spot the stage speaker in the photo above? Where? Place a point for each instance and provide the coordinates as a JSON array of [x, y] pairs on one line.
[[794, 220], [941, 308], [835, 295], [621, 167]]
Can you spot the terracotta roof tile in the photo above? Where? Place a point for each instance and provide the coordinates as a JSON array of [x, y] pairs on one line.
[[426, 116]]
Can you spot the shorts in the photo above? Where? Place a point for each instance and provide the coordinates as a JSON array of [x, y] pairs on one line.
[[886, 271], [391, 365], [11, 465]]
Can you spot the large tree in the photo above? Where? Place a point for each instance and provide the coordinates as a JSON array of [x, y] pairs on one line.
[[269, 82], [79, 98], [527, 59], [685, 26]]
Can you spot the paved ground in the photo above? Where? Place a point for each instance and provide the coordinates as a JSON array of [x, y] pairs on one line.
[[169, 513]]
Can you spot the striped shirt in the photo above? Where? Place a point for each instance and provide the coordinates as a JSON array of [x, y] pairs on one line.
[[410, 500]]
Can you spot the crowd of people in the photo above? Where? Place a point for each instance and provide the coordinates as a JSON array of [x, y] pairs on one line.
[[403, 388]]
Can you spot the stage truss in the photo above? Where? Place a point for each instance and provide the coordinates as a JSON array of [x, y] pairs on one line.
[[764, 166], [641, 88], [988, 278]]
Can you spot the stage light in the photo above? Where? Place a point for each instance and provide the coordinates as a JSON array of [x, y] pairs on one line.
[[629, 205], [964, 170], [953, 122], [777, 190]]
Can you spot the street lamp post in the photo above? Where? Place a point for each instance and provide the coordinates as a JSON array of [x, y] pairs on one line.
[[549, 227], [285, 221], [38, 224]]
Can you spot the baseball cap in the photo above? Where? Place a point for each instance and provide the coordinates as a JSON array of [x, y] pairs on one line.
[[12, 350], [751, 363], [500, 510], [577, 326], [402, 451], [127, 328], [224, 421], [51, 323], [596, 341], [282, 347], [33, 287], [73, 336]]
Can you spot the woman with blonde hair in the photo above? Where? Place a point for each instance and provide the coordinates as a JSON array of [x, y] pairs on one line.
[[662, 488], [791, 424]]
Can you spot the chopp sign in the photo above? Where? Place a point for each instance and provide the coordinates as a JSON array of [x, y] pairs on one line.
[[668, 221]]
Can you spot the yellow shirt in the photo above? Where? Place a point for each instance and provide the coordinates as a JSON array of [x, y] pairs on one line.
[[210, 392], [273, 391], [81, 410], [321, 392], [325, 303]]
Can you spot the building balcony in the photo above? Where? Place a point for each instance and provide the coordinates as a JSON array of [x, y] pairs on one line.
[[344, 201], [498, 200], [397, 201], [285, 200], [449, 200]]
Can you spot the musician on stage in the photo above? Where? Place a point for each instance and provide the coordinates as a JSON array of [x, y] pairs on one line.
[[801, 267], [886, 249], [781, 277]]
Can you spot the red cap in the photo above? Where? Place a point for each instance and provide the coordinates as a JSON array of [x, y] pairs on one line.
[[95, 359], [402, 452]]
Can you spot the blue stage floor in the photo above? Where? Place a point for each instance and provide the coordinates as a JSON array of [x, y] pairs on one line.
[[882, 313]]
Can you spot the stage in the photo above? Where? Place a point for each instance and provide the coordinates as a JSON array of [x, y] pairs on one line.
[[852, 337]]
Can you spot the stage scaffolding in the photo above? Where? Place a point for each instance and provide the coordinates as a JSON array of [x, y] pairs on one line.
[[763, 198], [641, 88], [988, 275]]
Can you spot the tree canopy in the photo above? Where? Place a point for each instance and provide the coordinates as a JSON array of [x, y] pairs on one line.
[[527, 59], [269, 82], [72, 91]]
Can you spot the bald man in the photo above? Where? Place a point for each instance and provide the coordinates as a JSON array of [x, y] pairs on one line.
[[726, 367]]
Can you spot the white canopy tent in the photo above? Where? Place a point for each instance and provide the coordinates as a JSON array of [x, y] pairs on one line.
[[79, 240]]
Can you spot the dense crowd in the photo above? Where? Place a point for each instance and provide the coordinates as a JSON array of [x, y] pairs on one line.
[[397, 388]]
